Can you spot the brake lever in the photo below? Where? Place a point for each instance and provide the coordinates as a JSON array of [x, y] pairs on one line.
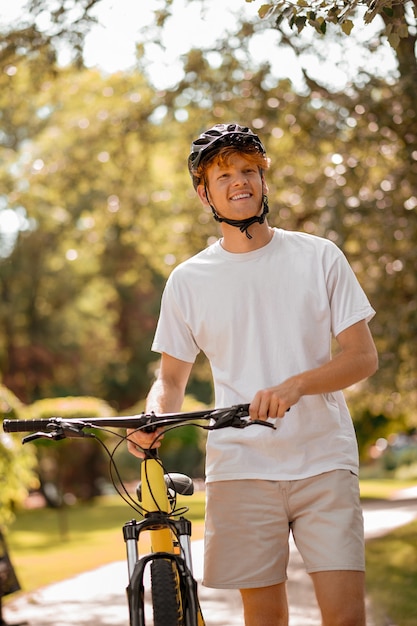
[[264, 422], [60, 431], [261, 422], [226, 419], [236, 421], [55, 435]]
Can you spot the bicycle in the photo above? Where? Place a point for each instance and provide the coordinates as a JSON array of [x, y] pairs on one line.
[[173, 588]]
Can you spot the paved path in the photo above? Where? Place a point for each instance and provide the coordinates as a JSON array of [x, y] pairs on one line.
[[97, 598]]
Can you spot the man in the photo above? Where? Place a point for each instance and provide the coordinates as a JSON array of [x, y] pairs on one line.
[[262, 304]]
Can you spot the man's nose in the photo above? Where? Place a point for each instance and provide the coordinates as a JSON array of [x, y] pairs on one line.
[[240, 178]]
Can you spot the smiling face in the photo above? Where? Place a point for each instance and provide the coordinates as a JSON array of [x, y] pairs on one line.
[[234, 185]]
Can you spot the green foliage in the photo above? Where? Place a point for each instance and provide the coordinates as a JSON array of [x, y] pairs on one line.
[[16, 464], [79, 288], [79, 468], [317, 14], [183, 449], [68, 407], [10, 405], [94, 169], [63, 22], [369, 428], [72, 467]]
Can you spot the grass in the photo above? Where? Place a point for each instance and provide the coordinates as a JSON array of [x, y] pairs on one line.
[[383, 488], [47, 546], [392, 576], [391, 563]]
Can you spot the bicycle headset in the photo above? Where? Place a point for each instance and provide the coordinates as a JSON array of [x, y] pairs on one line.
[[212, 141]]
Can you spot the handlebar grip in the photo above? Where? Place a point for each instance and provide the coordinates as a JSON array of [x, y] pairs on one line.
[[25, 426]]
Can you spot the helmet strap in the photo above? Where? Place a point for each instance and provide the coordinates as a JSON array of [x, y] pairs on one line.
[[243, 225]]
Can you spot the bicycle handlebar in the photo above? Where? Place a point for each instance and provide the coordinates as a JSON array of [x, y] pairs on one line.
[[67, 427]]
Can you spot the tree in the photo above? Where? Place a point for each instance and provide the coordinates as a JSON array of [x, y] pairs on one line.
[[44, 26], [47, 25], [77, 274], [81, 279]]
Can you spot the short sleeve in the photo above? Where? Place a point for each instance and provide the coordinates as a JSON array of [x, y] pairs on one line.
[[173, 335], [348, 301]]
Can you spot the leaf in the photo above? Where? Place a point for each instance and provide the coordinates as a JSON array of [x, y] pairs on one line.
[[279, 20], [388, 11], [266, 10], [300, 22], [347, 27], [286, 13], [319, 24], [335, 10]]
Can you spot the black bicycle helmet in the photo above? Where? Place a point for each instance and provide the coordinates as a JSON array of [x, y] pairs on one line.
[[210, 142], [215, 138]]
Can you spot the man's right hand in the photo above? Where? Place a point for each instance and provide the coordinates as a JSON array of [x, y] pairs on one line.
[[165, 396], [138, 440]]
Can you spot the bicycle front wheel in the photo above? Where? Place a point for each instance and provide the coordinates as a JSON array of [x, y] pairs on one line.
[[166, 594]]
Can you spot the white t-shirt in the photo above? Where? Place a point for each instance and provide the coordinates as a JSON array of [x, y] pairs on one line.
[[261, 317]]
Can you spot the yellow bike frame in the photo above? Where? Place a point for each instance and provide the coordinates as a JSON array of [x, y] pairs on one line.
[[155, 498]]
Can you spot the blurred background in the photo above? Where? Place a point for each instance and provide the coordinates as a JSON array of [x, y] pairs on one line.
[[99, 102]]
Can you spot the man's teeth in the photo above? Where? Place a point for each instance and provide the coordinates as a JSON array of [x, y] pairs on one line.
[[240, 196]]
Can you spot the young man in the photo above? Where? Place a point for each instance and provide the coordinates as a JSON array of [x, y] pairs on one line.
[[262, 304]]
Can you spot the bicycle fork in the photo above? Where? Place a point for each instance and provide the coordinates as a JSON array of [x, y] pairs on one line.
[[162, 529]]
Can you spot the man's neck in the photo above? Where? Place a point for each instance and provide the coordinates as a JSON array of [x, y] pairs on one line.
[[237, 242]]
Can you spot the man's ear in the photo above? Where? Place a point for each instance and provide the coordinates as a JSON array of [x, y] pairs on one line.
[[202, 194]]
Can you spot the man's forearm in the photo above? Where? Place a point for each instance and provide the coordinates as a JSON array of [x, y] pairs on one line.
[[342, 371], [164, 398], [356, 360]]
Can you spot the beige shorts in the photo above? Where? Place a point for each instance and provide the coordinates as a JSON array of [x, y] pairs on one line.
[[248, 523]]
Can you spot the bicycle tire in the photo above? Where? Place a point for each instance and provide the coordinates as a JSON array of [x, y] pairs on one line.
[[166, 594]]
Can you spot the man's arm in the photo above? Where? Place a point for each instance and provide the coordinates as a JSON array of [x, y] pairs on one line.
[[165, 396], [356, 360]]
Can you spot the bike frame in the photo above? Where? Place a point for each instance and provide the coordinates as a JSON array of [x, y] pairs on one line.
[[164, 530]]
